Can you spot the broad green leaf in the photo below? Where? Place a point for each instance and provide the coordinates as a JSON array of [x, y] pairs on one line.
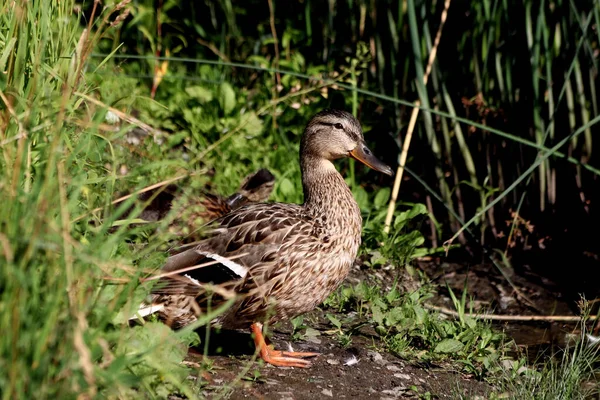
[[336, 322], [286, 187], [252, 124], [377, 315], [202, 94], [226, 98], [382, 197], [393, 316], [449, 346], [420, 314], [418, 209], [362, 198]]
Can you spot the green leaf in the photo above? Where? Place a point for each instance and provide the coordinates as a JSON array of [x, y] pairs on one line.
[[362, 197], [418, 209], [260, 60], [377, 258], [377, 315], [297, 322], [226, 98], [7, 52], [394, 316], [420, 314], [253, 125], [312, 332], [287, 187], [448, 346], [203, 95], [382, 197], [336, 322], [400, 220]]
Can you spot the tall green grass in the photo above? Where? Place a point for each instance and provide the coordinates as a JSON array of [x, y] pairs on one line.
[[572, 373], [66, 285]]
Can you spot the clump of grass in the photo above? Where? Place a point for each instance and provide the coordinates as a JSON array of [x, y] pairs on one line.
[[570, 373], [572, 376]]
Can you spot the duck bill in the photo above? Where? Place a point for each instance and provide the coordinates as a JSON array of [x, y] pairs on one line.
[[365, 156]]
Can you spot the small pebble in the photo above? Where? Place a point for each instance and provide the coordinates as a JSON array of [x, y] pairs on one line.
[[396, 392], [376, 357], [286, 396], [327, 392], [332, 362]]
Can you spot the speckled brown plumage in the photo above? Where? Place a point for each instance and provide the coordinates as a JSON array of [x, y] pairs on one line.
[[288, 258], [256, 187]]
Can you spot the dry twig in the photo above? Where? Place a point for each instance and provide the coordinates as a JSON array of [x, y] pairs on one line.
[[496, 317]]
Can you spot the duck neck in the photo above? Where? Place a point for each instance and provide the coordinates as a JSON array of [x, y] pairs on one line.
[[327, 197]]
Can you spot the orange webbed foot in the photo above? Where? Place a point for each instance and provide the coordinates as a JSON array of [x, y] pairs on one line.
[[277, 357]]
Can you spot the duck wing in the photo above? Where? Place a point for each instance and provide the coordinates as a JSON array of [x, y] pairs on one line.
[[241, 250]]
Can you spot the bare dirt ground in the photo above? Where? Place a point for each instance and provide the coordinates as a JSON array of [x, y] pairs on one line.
[[363, 369], [355, 372]]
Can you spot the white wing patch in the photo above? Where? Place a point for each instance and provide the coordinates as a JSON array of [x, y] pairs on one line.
[[236, 268], [144, 311], [194, 281]]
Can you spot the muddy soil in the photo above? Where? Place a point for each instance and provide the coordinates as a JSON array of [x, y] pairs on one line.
[[363, 369]]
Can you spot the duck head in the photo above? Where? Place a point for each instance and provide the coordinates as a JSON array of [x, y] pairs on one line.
[[335, 134]]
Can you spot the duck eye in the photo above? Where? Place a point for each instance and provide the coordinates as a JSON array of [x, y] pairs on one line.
[[338, 126]]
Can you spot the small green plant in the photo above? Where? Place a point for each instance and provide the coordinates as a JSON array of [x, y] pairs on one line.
[[254, 376], [405, 240], [297, 326], [423, 396], [344, 338], [410, 330]]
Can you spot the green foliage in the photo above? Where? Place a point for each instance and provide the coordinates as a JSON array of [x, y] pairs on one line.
[[410, 330], [152, 355], [499, 96], [70, 277], [405, 240], [344, 338], [297, 326]]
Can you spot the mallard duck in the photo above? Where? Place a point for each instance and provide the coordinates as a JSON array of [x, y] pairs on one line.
[[282, 260], [256, 187]]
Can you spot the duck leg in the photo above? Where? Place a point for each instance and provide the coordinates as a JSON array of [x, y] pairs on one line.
[[277, 357]]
